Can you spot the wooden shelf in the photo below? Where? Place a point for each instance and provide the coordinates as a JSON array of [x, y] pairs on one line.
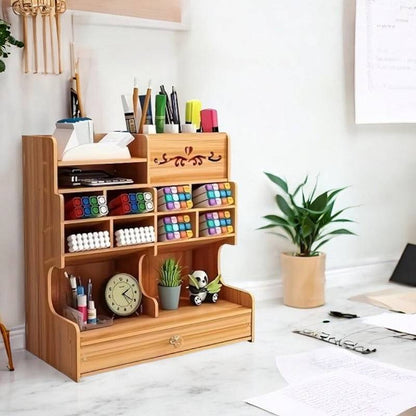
[[66, 163], [93, 189], [158, 160]]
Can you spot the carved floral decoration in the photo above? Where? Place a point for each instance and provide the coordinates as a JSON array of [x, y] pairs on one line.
[[188, 158]]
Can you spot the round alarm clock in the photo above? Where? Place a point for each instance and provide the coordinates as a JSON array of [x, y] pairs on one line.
[[122, 294]]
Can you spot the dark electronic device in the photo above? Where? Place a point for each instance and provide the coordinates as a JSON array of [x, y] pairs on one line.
[[77, 177], [405, 271]]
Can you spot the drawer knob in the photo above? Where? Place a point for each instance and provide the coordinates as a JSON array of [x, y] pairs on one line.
[[175, 340]]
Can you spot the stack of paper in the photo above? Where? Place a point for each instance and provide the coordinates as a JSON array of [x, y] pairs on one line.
[[333, 381]]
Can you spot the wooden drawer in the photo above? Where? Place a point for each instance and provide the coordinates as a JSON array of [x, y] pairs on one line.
[[146, 344], [188, 158]]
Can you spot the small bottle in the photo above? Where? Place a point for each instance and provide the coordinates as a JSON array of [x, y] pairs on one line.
[[82, 307], [92, 313]]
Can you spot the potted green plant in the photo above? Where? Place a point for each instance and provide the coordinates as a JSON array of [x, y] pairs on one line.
[[6, 40], [170, 282], [305, 220]]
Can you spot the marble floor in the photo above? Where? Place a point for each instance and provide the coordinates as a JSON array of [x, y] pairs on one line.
[[209, 382]]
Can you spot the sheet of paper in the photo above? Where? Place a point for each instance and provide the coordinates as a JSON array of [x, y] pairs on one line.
[[396, 321], [393, 299], [339, 393], [322, 361], [400, 302], [385, 61]]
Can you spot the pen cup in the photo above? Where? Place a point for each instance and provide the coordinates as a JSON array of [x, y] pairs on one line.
[[172, 128], [149, 129], [188, 128]]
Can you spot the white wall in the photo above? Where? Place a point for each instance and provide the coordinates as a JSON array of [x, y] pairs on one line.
[[280, 74]]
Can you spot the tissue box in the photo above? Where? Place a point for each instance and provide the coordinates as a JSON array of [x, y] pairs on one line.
[[73, 132]]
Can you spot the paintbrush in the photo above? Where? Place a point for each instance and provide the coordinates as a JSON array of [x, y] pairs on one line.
[[135, 101]]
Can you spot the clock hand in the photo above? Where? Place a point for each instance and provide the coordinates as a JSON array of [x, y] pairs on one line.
[[127, 297]]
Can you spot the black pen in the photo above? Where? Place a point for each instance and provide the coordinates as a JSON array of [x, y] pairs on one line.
[[343, 315], [175, 108]]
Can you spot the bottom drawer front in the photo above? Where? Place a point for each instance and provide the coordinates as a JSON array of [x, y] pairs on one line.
[[149, 345]]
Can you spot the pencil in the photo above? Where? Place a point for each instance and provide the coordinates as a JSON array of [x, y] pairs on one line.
[[145, 106], [135, 100]]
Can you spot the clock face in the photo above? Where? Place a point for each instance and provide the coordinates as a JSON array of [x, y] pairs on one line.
[[122, 294]]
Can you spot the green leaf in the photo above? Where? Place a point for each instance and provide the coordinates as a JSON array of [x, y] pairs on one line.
[[321, 244], [313, 191], [320, 203], [337, 232], [278, 181], [268, 226], [341, 231], [343, 220], [276, 219], [332, 194], [339, 212], [2, 66], [284, 206], [300, 187], [281, 235]]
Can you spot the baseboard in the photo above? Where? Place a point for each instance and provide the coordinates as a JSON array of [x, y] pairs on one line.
[[272, 288], [17, 339], [368, 273]]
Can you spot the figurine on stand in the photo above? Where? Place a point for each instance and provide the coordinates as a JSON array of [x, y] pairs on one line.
[[202, 291]]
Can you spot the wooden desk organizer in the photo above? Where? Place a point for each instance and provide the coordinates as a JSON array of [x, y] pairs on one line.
[[157, 160]]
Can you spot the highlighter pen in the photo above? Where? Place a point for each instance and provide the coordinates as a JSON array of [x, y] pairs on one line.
[[160, 108], [193, 114], [209, 120], [169, 115]]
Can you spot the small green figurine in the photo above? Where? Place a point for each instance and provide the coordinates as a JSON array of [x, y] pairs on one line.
[[202, 291]]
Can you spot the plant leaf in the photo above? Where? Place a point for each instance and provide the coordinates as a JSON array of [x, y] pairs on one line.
[[284, 206], [313, 191], [332, 194], [307, 227], [276, 219], [278, 181], [320, 203], [321, 244], [281, 235], [299, 187], [268, 226], [337, 232], [343, 220]]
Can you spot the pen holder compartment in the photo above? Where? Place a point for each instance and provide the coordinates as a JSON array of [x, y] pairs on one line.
[[176, 227], [131, 201], [128, 231], [80, 206], [218, 222], [187, 157], [92, 235], [214, 195]]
